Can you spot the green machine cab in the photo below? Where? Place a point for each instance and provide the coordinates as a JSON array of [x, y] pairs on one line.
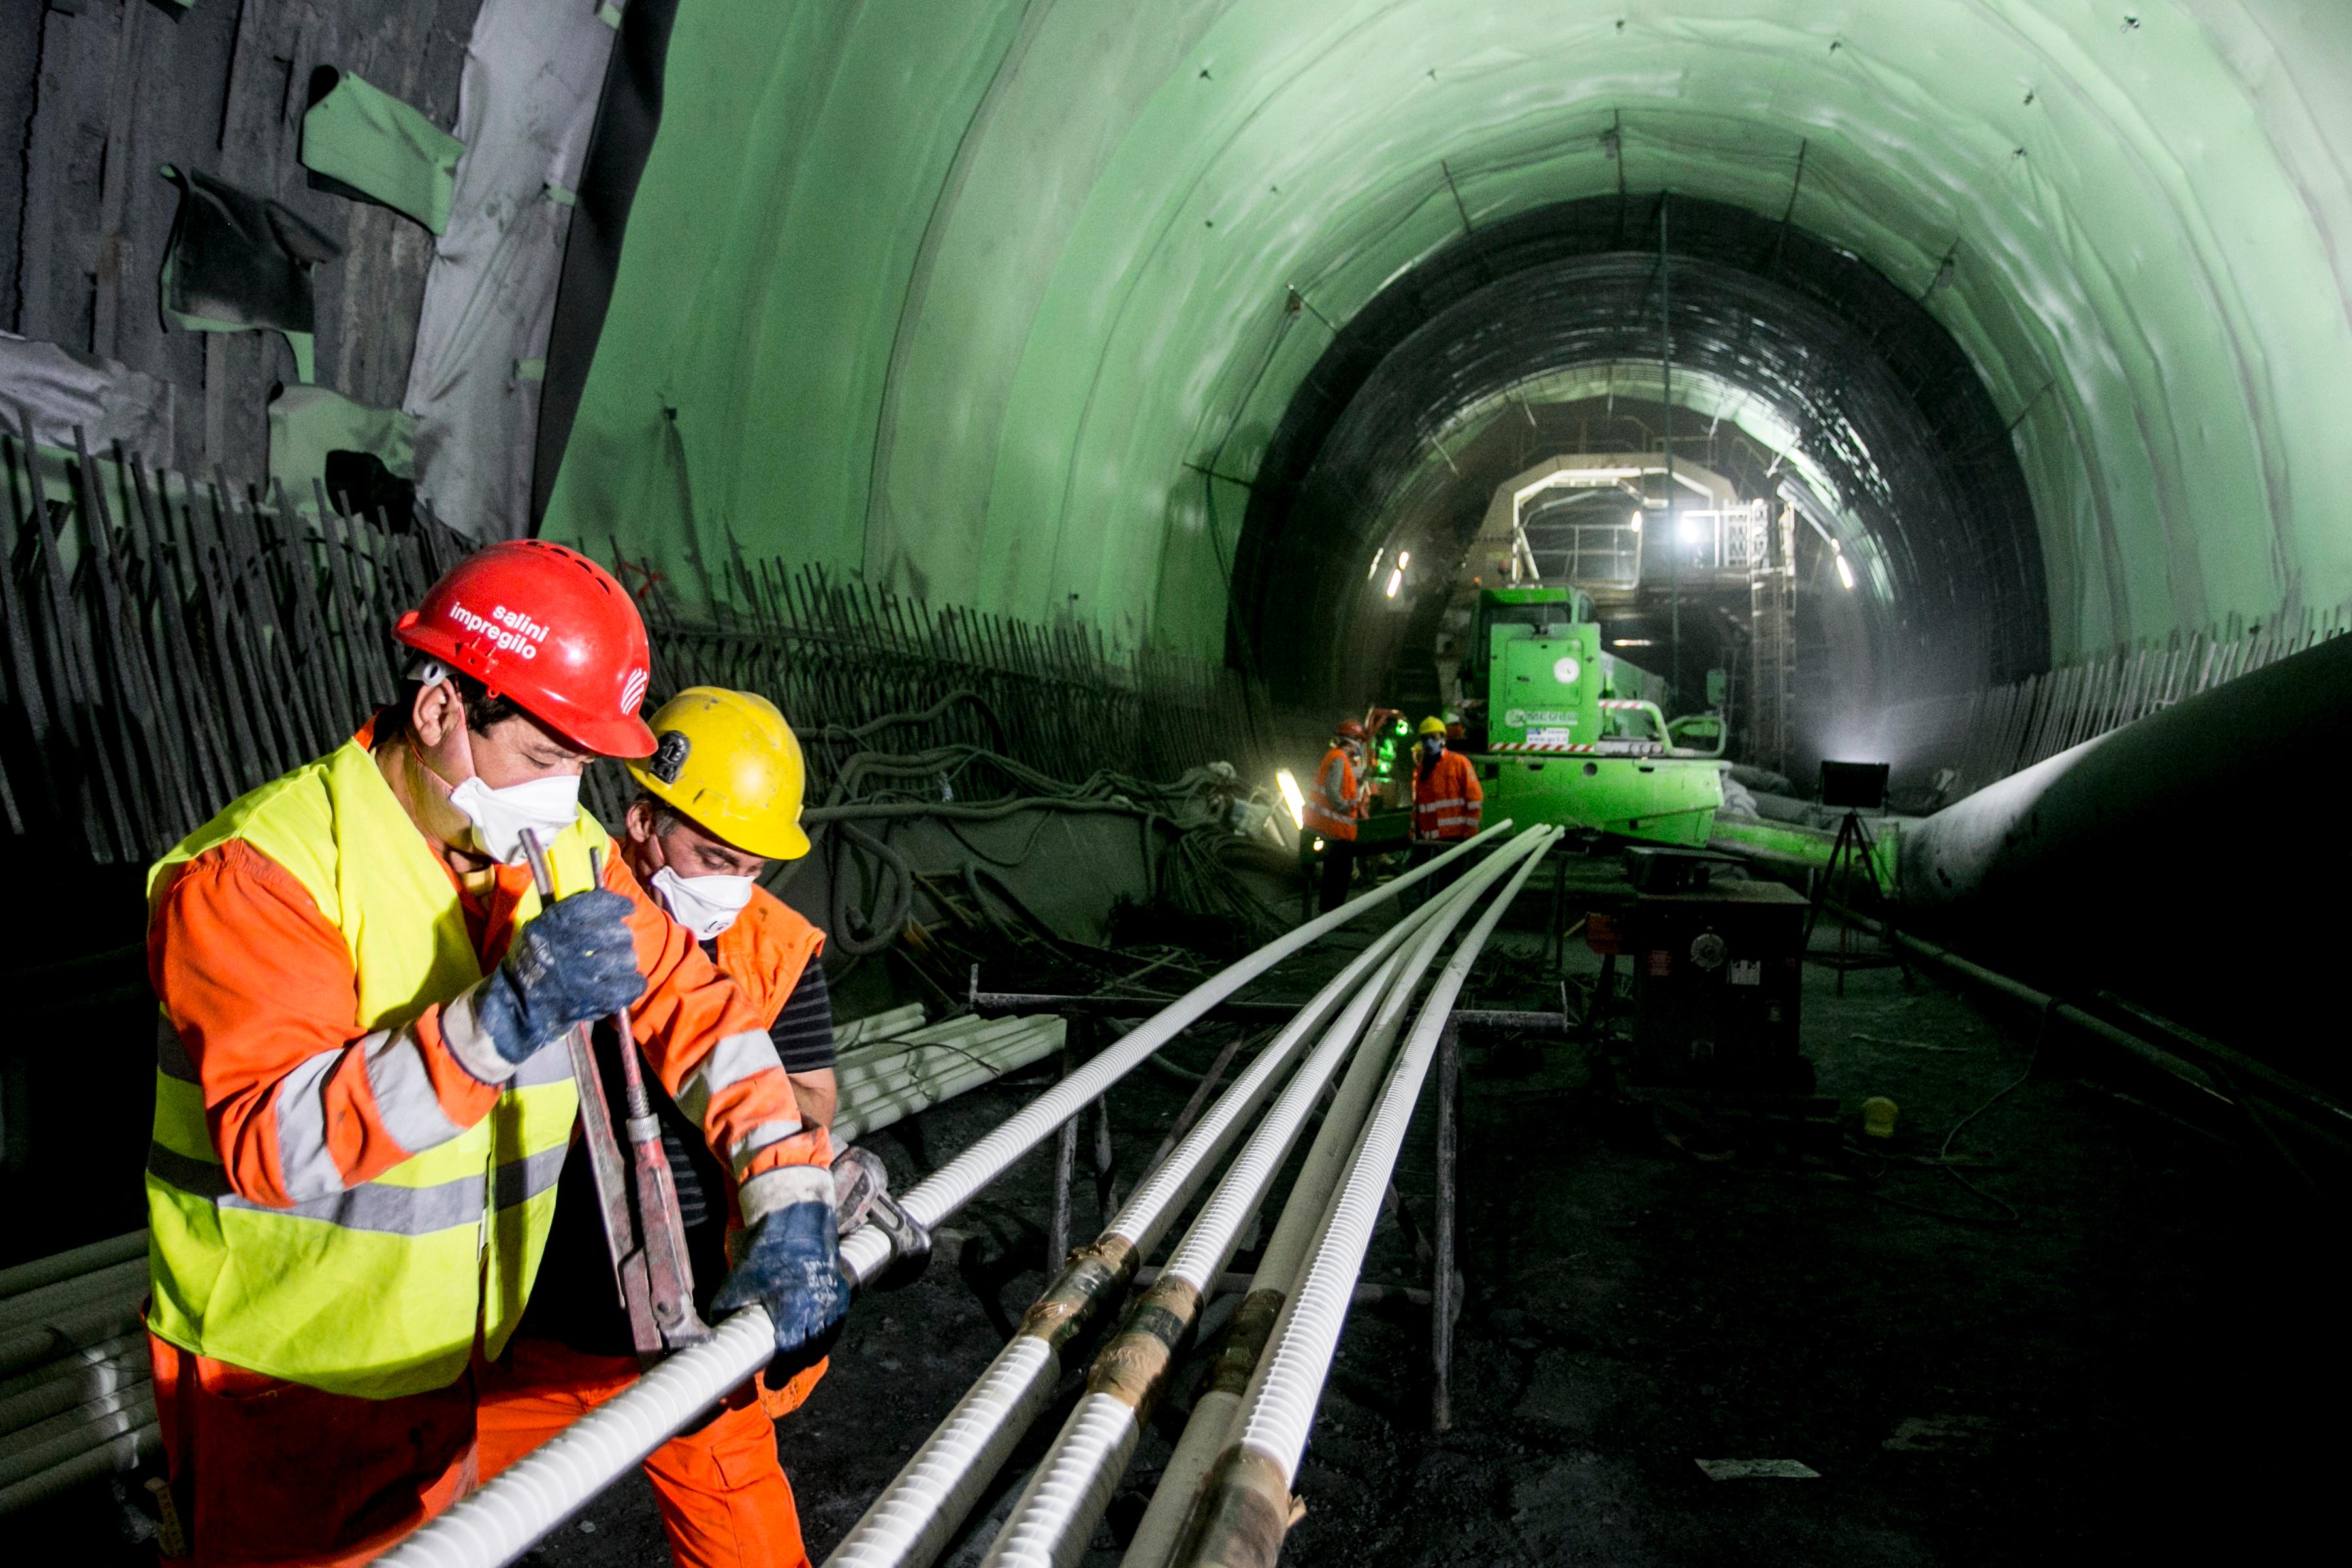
[[1563, 739]]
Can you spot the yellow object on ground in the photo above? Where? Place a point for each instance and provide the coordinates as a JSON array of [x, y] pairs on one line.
[[1878, 1113]]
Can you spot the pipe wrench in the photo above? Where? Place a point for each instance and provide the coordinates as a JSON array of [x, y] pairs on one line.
[[646, 1236]]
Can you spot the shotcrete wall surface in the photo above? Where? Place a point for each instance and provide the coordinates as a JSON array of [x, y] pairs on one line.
[[968, 298]]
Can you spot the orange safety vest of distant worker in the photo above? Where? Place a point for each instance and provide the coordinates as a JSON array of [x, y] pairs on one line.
[[1331, 810], [1447, 798]]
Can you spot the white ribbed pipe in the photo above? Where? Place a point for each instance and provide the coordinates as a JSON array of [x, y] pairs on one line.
[[1278, 1409], [81, 1261], [875, 1107], [82, 1383], [123, 1357], [1206, 1431], [110, 1457], [1054, 1522], [953, 1185], [939, 1041], [54, 1337], [501, 1521], [916, 1515], [1098, 1438], [875, 1027], [116, 1281], [1209, 1426], [75, 1432], [990, 1050]]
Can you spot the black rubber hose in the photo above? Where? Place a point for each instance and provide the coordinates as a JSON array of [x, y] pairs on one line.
[[961, 695], [897, 896], [857, 811], [974, 873]]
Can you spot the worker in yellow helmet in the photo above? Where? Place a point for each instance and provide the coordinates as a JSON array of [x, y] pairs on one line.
[[718, 799]]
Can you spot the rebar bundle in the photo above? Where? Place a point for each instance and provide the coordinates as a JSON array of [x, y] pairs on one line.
[[167, 644], [861, 669]]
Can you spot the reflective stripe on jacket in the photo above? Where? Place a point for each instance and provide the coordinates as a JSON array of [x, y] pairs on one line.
[[1447, 798], [346, 1183], [1332, 809]]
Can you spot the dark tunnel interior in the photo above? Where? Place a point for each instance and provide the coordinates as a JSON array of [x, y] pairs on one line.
[[1173, 783], [1426, 401]]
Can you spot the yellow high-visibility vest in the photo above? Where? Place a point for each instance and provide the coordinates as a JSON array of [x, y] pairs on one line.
[[379, 1290]]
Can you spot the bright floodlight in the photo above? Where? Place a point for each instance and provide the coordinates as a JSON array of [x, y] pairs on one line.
[[1396, 580], [1404, 558], [1288, 785], [1845, 572], [1636, 524]]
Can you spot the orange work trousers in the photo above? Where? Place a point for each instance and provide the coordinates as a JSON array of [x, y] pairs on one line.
[[724, 1501], [268, 1471]]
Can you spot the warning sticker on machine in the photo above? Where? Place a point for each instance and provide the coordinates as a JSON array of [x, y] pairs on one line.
[[1548, 736], [1747, 972]]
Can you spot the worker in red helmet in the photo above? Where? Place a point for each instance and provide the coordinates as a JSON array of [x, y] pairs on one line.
[[1339, 800], [363, 1098]]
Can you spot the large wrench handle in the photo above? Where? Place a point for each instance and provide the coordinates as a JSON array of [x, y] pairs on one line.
[[629, 1278], [669, 1273]]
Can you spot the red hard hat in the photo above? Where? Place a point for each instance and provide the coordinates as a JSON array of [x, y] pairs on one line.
[[1351, 730], [548, 628]]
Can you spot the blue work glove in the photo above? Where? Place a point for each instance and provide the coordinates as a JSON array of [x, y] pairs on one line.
[[792, 1266], [577, 962]]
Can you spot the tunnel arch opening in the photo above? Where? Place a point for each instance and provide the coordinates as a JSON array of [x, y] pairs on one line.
[[1889, 441]]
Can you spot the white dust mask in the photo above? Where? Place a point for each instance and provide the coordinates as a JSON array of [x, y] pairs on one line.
[[501, 817], [705, 905]]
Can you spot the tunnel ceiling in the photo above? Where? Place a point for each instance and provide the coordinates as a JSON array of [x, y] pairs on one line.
[[976, 299]]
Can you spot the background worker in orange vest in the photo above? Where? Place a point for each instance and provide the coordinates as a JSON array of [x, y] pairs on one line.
[[364, 1096], [1446, 799], [724, 1503], [1336, 803]]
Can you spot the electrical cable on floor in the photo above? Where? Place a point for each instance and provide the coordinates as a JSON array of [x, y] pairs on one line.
[[1190, 873], [1942, 1160]]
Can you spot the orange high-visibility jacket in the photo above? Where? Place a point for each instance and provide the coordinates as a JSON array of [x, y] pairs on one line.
[[1337, 800], [765, 952], [315, 1114], [1447, 798]]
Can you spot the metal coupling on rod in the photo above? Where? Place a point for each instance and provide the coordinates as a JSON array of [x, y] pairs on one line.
[[910, 1243]]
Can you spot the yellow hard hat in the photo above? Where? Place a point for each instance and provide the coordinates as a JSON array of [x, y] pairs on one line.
[[729, 760], [1432, 726]]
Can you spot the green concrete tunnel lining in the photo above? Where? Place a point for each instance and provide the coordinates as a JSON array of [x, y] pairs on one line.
[[964, 297]]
